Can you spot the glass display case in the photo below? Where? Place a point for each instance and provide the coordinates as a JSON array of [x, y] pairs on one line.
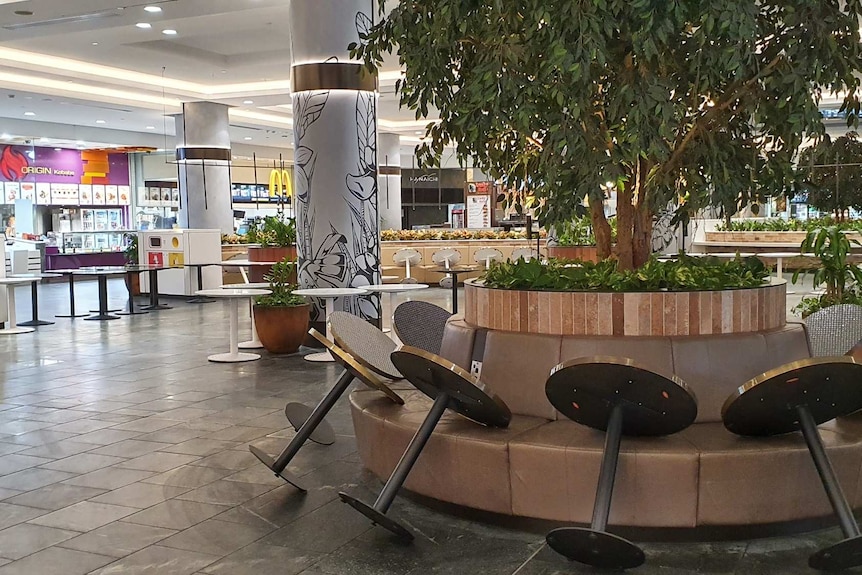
[[92, 241]]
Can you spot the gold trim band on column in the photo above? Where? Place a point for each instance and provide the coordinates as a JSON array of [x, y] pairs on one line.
[[389, 170], [332, 76]]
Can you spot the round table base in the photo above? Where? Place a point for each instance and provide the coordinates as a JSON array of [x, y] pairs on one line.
[[161, 306], [16, 330], [324, 357], [843, 555], [297, 414], [251, 344], [377, 518], [71, 316], [596, 548], [270, 463], [36, 323], [233, 357], [136, 312], [105, 317]]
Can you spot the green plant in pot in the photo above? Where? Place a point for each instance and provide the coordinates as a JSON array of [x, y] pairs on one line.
[[840, 277], [281, 317], [684, 104], [275, 237], [131, 257]]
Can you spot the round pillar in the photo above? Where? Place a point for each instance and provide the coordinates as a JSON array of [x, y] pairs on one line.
[[203, 167], [389, 181], [335, 136]]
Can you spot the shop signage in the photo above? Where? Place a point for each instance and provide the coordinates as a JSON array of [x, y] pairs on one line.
[[62, 166], [280, 184], [447, 178]]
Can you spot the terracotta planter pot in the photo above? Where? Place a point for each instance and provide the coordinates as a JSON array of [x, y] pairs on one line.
[[282, 329], [133, 284], [583, 253], [258, 254]]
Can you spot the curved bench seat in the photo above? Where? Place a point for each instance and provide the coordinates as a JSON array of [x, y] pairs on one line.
[[702, 476]]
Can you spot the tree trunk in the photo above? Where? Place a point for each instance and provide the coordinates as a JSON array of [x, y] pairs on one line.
[[642, 241], [625, 226], [601, 229]]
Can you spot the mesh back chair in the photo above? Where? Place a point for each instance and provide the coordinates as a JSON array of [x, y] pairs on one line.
[[526, 253], [485, 256], [420, 324], [834, 330], [407, 257]]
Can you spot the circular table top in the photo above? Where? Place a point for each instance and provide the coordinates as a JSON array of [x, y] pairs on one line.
[[232, 292], [17, 280], [780, 254], [433, 375], [367, 344], [146, 267], [202, 265], [394, 288], [256, 285], [38, 276], [587, 389], [329, 292], [354, 367], [244, 263], [99, 271], [766, 405], [454, 269]]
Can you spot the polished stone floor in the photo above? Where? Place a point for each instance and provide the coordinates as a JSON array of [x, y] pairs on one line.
[[123, 451]]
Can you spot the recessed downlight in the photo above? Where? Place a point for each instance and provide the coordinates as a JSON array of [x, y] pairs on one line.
[[152, 9], [247, 138], [100, 121], [169, 32], [29, 113], [94, 43], [151, 128], [248, 102], [144, 25]]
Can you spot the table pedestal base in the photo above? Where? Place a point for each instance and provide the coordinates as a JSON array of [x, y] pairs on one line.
[[101, 317], [251, 344], [233, 357], [16, 330], [36, 323], [324, 357], [297, 414]]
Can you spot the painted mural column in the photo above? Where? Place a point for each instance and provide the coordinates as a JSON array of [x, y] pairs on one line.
[[203, 165], [335, 172], [389, 181]]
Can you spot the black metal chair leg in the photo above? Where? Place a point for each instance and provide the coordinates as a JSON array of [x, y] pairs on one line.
[[847, 553], [278, 466], [595, 546], [377, 512]]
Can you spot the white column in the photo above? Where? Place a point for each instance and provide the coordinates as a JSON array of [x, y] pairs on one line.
[[205, 195], [389, 181], [335, 136]]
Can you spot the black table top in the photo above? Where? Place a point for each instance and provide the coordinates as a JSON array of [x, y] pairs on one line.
[[367, 344], [587, 389], [767, 405], [454, 269], [433, 375], [360, 372]]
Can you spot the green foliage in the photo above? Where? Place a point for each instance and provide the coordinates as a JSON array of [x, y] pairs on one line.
[[279, 278], [781, 225], [833, 188], [273, 231], [697, 103], [831, 246], [131, 251], [575, 232], [809, 305], [686, 273]]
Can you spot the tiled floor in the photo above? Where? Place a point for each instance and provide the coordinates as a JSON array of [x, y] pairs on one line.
[[123, 451]]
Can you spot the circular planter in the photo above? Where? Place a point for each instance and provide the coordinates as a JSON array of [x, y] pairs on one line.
[[281, 329], [272, 254], [582, 253], [629, 313]]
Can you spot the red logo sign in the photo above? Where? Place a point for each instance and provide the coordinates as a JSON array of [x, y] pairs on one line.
[[12, 163]]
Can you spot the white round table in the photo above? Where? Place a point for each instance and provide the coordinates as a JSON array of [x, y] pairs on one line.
[[234, 294], [330, 295], [389, 289], [10, 284], [254, 342]]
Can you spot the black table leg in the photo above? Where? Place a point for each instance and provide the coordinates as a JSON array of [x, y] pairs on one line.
[[200, 298], [847, 553], [132, 310], [154, 293], [34, 306], [593, 545], [454, 292], [377, 512], [103, 302], [316, 418], [72, 313]]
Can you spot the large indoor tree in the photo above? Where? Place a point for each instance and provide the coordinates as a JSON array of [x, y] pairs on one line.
[[676, 102], [831, 173]]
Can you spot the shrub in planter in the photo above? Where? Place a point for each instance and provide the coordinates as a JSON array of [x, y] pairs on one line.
[[840, 277], [281, 317], [275, 237]]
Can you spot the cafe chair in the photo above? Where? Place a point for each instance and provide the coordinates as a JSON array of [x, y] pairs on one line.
[[420, 324], [834, 330]]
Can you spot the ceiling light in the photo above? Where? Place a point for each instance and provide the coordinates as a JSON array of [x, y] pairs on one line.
[[29, 113], [152, 9], [79, 143], [100, 121], [248, 102], [58, 149], [151, 127], [169, 32], [5, 136], [144, 25], [95, 43], [247, 138]]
